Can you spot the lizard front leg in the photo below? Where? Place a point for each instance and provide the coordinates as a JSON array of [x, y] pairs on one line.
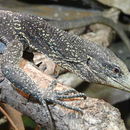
[[15, 75], [23, 82]]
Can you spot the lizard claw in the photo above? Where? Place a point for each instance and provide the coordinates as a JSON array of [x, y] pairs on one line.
[[64, 94], [65, 105], [55, 97]]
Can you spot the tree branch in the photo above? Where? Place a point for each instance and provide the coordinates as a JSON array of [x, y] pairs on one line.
[[97, 114]]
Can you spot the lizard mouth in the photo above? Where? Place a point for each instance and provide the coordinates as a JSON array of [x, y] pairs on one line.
[[121, 83]]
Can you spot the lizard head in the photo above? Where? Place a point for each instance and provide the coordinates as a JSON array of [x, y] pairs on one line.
[[104, 67]]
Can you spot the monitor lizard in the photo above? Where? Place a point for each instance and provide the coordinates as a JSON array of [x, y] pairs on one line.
[[90, 61]]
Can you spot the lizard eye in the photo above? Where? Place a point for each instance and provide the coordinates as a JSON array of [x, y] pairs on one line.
[[116, 70]]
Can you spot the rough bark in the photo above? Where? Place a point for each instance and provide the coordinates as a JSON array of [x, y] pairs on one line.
[[97, 114]]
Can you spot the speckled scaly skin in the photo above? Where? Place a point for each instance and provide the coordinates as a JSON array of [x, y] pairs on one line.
[[90, 61], [15, 39], [70, 24]]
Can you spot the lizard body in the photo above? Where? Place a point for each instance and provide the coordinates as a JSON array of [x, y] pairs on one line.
[[15, 41], [90, 61]]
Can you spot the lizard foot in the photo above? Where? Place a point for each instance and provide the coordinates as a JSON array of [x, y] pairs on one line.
[[64, 94], [52, 96]]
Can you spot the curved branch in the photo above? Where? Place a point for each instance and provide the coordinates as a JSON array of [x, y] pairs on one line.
[[97, 114]]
